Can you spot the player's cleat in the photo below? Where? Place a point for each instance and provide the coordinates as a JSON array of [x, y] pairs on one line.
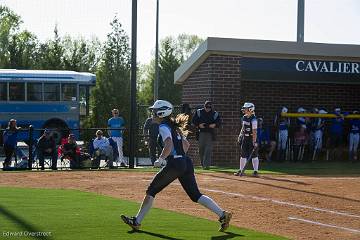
[[122, 164], [239, 173], [131, 221], [224, 221], [255, 174]]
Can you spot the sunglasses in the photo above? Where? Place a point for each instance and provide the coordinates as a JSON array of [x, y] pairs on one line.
[[208, 106]]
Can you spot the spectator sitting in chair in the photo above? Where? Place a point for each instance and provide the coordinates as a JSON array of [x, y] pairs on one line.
[[71, 151], [102, 147], [46, 147]]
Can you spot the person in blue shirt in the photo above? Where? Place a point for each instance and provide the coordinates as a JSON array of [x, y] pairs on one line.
[[176, 165], [336, 132], [10, 142], [354, 137], [116, 125]]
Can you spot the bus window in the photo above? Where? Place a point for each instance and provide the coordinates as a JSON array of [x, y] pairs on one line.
[[3, 91], [17, 91], [52, 92], [34, 92], [69, 92]]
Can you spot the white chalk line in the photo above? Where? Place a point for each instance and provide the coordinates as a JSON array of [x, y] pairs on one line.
[[324, 224], [320, 178], [284, 203]]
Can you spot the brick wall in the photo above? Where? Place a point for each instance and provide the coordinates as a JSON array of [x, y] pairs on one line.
[[218, 79]]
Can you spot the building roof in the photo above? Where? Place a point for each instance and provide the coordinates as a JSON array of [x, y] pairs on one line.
[[264, 48]]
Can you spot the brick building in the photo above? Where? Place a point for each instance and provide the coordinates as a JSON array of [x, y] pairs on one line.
[[270, 74]]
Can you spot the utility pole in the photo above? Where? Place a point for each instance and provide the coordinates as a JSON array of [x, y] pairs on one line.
[[156, 81], [300, 21], [133, 119]]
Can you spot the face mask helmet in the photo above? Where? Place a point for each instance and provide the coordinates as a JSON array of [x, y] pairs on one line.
[[161, 108]]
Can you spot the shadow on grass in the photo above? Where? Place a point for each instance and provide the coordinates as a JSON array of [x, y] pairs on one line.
[[228, 235], [23, 224], [243, 179], [158, 235]]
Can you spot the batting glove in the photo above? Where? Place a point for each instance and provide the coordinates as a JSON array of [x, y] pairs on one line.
[[160, 163]]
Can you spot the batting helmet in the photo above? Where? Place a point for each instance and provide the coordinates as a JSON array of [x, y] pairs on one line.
[[162, 108]]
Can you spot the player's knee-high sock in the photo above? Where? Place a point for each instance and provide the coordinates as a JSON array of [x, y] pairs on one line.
[[210, 204], [145, 207], [255, 162], [242, 163]]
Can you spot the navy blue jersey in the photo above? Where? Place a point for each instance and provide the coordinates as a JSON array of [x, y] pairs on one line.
[[355, 126], [284, 123], [165, 132], [248, 124], [317, 124]]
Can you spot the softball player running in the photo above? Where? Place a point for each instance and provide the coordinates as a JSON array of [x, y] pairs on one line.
[[176, 166], [248, 140]]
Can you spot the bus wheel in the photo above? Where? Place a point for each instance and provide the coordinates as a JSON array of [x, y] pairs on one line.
[[57, 131]]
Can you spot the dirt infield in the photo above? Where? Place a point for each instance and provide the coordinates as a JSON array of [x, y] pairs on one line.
[[297, 207]]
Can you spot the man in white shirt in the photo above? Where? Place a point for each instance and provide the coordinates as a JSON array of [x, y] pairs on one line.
[[102, 147]]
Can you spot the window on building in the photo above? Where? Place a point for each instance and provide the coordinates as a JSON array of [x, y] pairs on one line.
[[3, 91], [69, 92], [52, 92], [17, 91], [34, 92]]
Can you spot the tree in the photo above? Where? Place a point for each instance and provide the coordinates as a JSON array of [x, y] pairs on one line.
[[185, 45], [9, 25], [168, 63], [145, 83], [81, 55], [51, 54], [173, 52], [113, 77], [22, 47]]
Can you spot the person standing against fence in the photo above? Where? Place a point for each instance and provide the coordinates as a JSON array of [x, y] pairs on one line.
[[206, 120], [354, 137], [10, 142], [176, 165], [151, 132], [282, 124], [115, 125], [336, 134], [248, 140], [317, 130]]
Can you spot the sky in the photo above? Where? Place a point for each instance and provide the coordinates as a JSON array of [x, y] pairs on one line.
[[326, 21]]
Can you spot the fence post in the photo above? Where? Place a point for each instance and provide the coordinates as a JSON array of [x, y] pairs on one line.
[[31, 134]]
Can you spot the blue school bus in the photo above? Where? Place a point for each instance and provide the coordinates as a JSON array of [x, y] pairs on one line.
[[45, 99]]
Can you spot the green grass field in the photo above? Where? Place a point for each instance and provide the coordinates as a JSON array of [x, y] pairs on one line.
[[71, 214]]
